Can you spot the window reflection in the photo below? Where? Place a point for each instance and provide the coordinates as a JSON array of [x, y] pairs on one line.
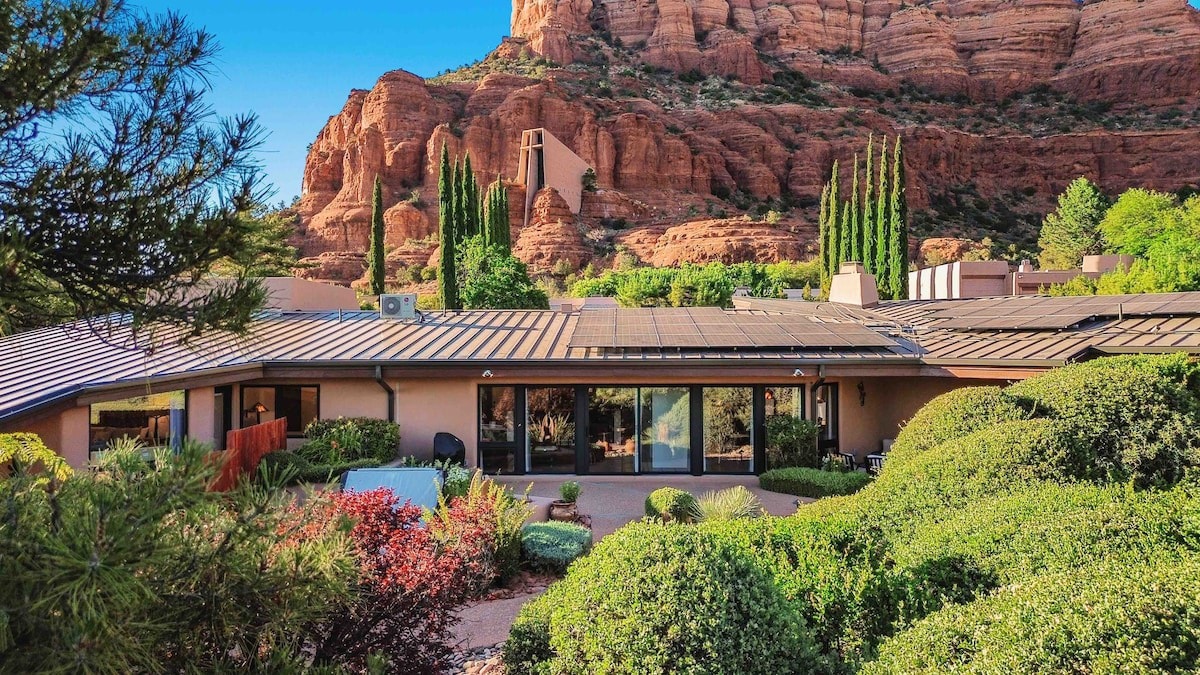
[[665, 429], [612, 430], [550, 427], [728, 420]]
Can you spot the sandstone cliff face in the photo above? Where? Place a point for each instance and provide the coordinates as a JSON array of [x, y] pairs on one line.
[[981, 47], [667, 154]]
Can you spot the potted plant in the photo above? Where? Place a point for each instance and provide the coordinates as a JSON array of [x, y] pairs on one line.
[[565, 508]]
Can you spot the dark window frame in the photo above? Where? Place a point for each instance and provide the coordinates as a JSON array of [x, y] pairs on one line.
[[241, 407]]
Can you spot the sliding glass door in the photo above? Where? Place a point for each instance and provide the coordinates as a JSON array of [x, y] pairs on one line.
[[550, 422], [612, 430], [666, 440]]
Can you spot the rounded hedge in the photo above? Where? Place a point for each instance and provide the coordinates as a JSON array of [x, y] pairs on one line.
[[662, 598], [951, 416], [553, 546], [804, 482], [668, 503], [1140, 414], [1109, 618]]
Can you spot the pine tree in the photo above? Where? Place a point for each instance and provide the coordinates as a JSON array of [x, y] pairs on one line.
[[823, 224], [882, 216], [898, 230], [470, 200], [856, 239], [375, 255], [835, 222], [447, 196], [868, 219], [1073, 229]]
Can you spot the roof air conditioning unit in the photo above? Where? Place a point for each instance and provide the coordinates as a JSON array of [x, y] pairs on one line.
[[399, 306]]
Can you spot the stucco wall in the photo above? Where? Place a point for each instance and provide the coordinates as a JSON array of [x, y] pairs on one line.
[[65, 433], [426, 407], [201, 415]]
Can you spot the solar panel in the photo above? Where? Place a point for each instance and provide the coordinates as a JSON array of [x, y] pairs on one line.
[[669, 328]]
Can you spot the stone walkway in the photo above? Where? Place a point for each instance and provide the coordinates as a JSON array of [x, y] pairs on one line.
[[611, 501]]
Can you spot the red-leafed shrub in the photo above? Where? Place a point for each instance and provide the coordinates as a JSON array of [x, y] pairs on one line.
[[410, 583]]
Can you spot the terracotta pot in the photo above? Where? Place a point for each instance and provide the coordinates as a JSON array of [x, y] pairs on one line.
[[565, 511]]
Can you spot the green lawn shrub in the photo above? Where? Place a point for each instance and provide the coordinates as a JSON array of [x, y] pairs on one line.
[[806, 482], [1109, 618], [553, 546], [670, 504], [351, 438], [302, 470], [662, 598], [1140, 414], [953, 415]]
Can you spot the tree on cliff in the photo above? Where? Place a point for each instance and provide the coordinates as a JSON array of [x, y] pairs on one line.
[[1073, 230], [119, 188], [375, 256], [447, 234]]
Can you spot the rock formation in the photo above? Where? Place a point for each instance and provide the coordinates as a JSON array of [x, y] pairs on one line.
[[1112, 89], [551, 236]]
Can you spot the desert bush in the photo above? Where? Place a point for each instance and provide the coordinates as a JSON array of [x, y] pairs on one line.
[[1109, 618], [138, 568], [351, 438], [490, 505], [806, 482], [552, 547], [410, 580], [953, 415], [1140, 414], [668, 503], [293, 468], [734, 503], [655, 599]]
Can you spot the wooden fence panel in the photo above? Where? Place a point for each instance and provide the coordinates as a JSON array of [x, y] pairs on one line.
[[244, 448]]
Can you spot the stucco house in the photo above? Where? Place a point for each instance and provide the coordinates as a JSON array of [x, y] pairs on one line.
[[575, 390]]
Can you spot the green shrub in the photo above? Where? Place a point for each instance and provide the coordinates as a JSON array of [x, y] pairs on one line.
[[735, 503], [804, 482], [352, 438], [1141, 618], [300, 470], [668, 503], [1049, 528], [791, 442], [656, 599], [1140, 414], [953, 415], [569, 491], [21, 451], [553, 546]]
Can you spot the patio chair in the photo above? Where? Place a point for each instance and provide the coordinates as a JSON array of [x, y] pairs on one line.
[[875, 464], [417, 485], [845, 459]]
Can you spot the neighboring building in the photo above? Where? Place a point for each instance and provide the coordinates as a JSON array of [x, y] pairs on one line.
[[994, 278], [546, 162], [605, 390]]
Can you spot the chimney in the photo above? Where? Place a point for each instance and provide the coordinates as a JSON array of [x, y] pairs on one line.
[[1025, 266], [853, 286]]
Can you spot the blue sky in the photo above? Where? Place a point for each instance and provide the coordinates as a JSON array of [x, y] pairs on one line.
[[293, 62]]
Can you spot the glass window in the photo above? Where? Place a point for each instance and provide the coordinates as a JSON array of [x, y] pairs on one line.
[[550, 422], [665, 429], [612, 430], [263, 404], [728, 421], [156, 420], [497, 429], [790, 439]]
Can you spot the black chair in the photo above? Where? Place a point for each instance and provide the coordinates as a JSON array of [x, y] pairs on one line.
[[875, 464], [845, 459], [448, 446]]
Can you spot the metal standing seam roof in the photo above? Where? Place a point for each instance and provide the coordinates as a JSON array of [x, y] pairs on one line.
[[43, 366]]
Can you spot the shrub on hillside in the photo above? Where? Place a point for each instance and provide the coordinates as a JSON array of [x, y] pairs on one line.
[[653, 599], [953, 415], [668, 503], [805, 482], [1110, 618], [553, 546], [351, 438], [1140, 414]]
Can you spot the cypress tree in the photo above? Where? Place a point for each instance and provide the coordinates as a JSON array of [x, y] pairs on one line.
[[881, 222], [470, 200], [375, 255], [823, 224], [835, 223], [502, 234], [447, 196], [855, 252], [868, 220], [844, 233], [898, 266]]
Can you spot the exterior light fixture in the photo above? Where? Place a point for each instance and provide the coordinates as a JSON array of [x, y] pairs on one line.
[[487, 374], [798, 372], [862, 394], [770, 396]]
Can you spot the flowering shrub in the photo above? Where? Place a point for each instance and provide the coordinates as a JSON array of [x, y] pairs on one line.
[[411, 579]]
